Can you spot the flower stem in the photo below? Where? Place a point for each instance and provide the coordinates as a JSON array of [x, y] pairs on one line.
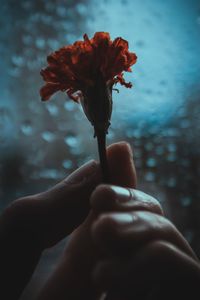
[[101, 139]]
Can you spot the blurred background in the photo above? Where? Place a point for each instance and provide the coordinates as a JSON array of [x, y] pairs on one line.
[[41, 143]]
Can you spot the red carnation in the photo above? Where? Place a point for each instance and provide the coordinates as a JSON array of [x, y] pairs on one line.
[[87, 71]]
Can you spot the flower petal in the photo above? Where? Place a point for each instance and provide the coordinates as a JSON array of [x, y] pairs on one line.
[[78, 66], [48, 90]]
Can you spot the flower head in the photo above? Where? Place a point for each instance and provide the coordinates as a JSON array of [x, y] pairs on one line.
[[87, 71]]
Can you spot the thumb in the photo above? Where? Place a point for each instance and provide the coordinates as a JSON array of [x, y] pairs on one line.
[[50, 216], [122, 168], [36, 222], [72, 277]]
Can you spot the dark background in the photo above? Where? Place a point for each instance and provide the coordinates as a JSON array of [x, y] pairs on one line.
[[41, 143]]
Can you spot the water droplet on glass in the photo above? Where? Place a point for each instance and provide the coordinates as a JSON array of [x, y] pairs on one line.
[[189, 235], [172, 147], [52, 109], [48, 136], [50, 174], [171, 182], [72, 141], [69, 105], [27, 129], [149, 176], [151, 162], [67, 164], [171, 157], [40, 43], [53, 44], [81, 9], [186, 201], [61, 11]]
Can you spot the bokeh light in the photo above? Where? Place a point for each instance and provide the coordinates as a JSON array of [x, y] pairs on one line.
[[41, 143]]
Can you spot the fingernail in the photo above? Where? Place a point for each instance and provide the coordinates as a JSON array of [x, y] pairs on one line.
[[121, 195], [85, 172], [122, 218]]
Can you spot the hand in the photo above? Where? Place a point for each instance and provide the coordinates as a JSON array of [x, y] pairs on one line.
[[72, 277], [143, 255], [126, 248], [32, 224]]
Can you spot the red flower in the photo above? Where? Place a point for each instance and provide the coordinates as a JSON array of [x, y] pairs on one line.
[[77, 67]]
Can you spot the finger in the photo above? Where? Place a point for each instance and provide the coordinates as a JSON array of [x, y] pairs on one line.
[[158, 270], [51, 215], [72, 277], [36, 222], [122, 168], [127, 232], [33, 223], [115, 198]]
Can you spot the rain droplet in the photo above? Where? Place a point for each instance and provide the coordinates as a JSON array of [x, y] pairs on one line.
[[151, 162], [27, 129], [67, 164], [172, 147], [186, 201], [48, 136], [40, 43], [189, 235], [71, 141], [69, 105], [81, 9], [171, 182], [61, 11], [171, 157], [50, 174], [52, 109], [149, 176]]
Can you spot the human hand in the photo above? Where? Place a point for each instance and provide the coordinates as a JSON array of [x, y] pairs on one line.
[[72, 277], [143, 255], [131, 249], [34, 223]]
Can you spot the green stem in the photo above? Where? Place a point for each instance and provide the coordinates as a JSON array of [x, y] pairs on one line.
[[101, 139]]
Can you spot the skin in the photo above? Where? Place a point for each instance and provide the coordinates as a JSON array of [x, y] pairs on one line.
[[120, 242]]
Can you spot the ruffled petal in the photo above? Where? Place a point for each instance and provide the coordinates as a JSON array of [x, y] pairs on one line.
[[77, 67], [48, 90]]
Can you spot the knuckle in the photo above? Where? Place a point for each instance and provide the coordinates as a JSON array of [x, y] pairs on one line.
[[156, 205], [106, 222], [159, 249], [146, 202], [102, 197], [105, 226]]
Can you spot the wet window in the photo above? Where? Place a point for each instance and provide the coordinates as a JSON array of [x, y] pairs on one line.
[[41, 143]]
